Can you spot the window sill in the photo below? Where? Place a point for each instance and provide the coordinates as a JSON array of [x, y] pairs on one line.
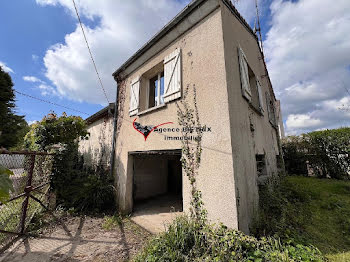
[[259, 111], [275, 126], [151, 109]]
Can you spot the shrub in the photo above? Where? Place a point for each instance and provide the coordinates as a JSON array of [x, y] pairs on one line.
[[294, 155], [282, 210], [330, 150], [76, 185], [185, 241], [88, 189], [326, 151], [53, 130]]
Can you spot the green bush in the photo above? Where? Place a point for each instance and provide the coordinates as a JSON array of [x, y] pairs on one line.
[[294, 155], [326, 151], [76, 185], [282, 210], [185, 240], [53, 130], [81, 187]]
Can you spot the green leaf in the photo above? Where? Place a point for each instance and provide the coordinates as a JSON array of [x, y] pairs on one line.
[[5, 184]]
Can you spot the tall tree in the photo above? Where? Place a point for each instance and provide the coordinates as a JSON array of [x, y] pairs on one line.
[[11, 125]]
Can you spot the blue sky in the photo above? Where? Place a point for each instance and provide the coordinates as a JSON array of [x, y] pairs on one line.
[[307, 47], [27, 40]]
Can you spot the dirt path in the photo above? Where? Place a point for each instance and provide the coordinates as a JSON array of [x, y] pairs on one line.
[[81, 239]]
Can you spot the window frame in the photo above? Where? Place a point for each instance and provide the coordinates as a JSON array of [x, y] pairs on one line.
[[252, 89], [157, 95]]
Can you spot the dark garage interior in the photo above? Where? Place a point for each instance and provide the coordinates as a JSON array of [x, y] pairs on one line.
[[157, 182]]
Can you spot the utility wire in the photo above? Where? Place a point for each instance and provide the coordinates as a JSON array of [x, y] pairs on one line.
[[87, 44], [42, 100]]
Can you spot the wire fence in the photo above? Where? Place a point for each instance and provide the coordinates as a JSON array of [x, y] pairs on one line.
[[30, 194]]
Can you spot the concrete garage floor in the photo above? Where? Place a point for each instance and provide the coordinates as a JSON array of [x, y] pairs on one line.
[[156, 213]]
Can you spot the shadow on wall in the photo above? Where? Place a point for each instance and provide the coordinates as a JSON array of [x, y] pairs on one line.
[[118, 184], [97, 152]]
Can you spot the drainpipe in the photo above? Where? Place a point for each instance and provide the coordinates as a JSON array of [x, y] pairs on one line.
[[112, 160]]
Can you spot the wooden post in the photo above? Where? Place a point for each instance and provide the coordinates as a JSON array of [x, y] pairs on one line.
[[27, 190]]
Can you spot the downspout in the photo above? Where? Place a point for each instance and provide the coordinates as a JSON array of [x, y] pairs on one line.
[[112, 159]]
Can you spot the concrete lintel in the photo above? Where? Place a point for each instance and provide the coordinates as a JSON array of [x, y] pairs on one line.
[[157, 152]]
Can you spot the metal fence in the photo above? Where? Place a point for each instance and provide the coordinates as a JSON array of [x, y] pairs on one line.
[[31, 184]]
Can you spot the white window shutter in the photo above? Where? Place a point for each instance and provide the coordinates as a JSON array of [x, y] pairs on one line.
[[268, 105], [260, 94], [134, 97], [270, 109], [172, 76], [243, 65]]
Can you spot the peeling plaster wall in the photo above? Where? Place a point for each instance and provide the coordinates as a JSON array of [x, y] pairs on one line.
[[227, 176], [246, 143], [203, 64], [97, 149]]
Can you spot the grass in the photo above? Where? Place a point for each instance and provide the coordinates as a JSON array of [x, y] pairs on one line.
[[10, 215], [112, 222], [188, 239], [311, 211], [328, 226]]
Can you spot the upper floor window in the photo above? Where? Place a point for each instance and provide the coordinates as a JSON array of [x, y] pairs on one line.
[[271, 109], [251, 87], [156, 90], [157, 86]]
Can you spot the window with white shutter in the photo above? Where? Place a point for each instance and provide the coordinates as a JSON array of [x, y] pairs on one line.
[[270, 109], [134, 97], [244, 71], [172, 76], [260, 95]]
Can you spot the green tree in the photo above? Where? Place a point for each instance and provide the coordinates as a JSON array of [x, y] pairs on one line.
[[53, 130], [11, 125], [75, 185]]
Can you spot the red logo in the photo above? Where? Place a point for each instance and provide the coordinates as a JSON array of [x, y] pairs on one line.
[[146, 130]]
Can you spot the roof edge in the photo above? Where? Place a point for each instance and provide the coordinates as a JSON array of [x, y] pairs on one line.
[[240, 18], [99, 114], [187, 10], [159, 35]]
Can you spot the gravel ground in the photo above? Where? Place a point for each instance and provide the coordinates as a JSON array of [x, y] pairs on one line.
[[81, 239]]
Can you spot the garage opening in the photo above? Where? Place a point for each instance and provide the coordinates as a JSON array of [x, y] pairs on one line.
[[157, 182]]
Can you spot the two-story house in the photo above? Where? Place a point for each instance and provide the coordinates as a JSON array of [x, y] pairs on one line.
[[211, 46]]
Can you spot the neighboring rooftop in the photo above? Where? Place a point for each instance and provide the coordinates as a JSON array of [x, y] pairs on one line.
[[107, 111]]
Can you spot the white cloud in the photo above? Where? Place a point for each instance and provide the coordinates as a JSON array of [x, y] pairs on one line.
[[308, 55], [6, 68], [32, 79], [44, 88], [47, 90], [302, 122], [124, 26], [307, 50]]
